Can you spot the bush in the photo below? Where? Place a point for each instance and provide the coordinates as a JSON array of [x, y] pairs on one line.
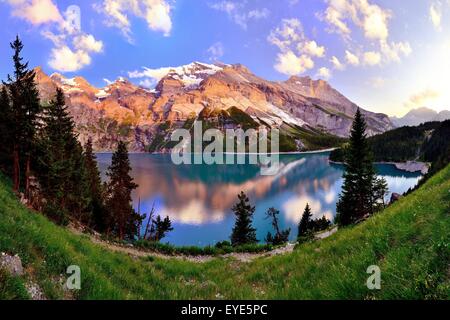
[[220, 248], [56, 214]]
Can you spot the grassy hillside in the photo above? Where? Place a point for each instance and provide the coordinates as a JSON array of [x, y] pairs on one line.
[[409, 242]]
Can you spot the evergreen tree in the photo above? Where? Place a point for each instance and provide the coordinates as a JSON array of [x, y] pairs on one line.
[[380, 190], [61, 170], [95, 189], [305, 222], [320, 224], [122, 222], [5, 131], [281, 236], [355, 201], [243, 232], [25, 106], [159, 228]]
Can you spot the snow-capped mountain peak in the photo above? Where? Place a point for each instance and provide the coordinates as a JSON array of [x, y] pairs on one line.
[[190, 75]]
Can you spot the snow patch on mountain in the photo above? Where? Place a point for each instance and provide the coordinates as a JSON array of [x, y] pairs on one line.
[[285, 117], [191, 75], [102, 94]]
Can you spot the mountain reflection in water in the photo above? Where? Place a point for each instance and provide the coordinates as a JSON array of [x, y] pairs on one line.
[[198, 198]]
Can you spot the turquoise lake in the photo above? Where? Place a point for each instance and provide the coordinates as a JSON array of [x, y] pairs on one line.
[[198, 198]]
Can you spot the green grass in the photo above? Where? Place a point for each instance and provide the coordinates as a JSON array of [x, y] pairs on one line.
[[409, 242], [166, 248]]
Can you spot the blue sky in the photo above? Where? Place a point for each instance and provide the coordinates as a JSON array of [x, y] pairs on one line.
[[387, 56]]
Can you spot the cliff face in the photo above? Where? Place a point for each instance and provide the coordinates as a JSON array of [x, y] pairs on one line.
[[125, 111]]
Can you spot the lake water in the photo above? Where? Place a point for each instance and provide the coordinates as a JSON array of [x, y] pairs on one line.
[[198, 198]]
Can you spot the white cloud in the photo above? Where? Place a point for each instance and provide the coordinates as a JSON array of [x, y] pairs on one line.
[[147, 83], [238, 12], [394, 50], [87, 42], [371, 18], [216, 51], [311, 48], [351, 58], [36, 11], [421, 98], [372, 58], [155, 12], [324, 73], [290, 64], [259, 13], [373, 22], [72, 47], [337, 64], [436, 15], [66, 60], [296, 50]]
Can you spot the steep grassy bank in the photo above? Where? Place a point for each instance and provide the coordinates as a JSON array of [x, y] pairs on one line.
[[409, 242]]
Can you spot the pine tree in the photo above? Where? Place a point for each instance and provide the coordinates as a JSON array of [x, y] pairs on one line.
[[355, 201], [26, 108], [243, 232], [5, 131], [281, 236], [305, 222], [160, 228], [61, 170], [123, 222], [380, 190], [95, 189]]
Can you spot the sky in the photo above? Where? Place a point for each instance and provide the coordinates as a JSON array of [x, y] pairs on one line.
[[387, 56]]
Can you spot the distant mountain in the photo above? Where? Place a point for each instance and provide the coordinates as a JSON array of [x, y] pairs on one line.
[[309, 112], [419, 116]]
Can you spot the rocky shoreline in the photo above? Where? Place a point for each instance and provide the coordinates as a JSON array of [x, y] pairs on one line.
[[412, 166], [408, 166]]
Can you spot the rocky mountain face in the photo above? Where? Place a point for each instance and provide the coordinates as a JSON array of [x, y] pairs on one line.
[[421, 115], [145, 118]]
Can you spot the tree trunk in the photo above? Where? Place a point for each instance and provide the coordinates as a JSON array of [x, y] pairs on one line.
[[16, 176], [27, 177]]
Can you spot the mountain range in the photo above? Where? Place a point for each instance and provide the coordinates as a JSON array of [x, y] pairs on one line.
[[310, 113], [418, 116]]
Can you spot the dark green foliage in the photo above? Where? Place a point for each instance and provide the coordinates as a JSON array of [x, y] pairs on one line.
[[95, 189], [5, 131], [159, 228], [307, 226], [25, 110], [398, 145], [355, 201], [220, 248], [437, 149], [281, 236], [12, 288], [243, 232], [122, 221], [239, 117], [321, 224], [55, 213], [305, 222], [61, 167], [380, 191], [401, 144]]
